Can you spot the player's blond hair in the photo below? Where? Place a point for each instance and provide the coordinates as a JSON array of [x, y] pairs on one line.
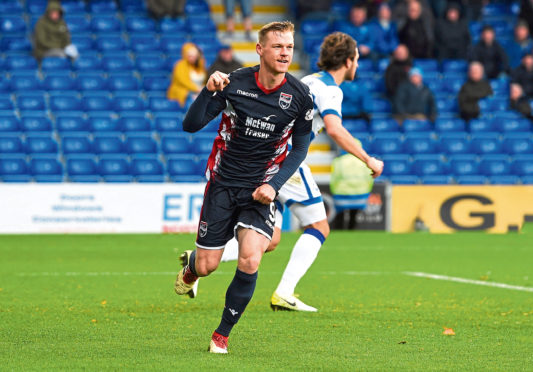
[[284, 26]]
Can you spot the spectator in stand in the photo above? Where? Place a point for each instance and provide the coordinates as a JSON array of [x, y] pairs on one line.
[[518, 101], [246, 11], [474, 9], [474, 89], [452, 37], [165, 8], [417, 32], [526, 13], [188, 76], [398, 70], [523, 75], [384, 32], [400, 12], [490, 53], [521, 45], [225, 61], [51, 35], [360, 30], [414, 100], [305, 6]]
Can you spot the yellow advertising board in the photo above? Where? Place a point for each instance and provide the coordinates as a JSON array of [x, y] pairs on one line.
[[444, 209]]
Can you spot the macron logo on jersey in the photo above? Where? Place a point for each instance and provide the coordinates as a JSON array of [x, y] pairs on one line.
[[247, 94]]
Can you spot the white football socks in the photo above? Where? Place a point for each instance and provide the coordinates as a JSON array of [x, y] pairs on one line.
[[231, 251], [302, 257]]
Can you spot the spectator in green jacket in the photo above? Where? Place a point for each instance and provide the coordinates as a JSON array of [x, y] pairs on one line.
[[51, 35], [475, 88]]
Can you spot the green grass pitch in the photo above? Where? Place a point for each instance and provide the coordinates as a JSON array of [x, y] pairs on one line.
[[107, 303]]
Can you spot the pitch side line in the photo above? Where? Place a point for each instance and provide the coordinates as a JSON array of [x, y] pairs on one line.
[[165, 273], [469, 281]]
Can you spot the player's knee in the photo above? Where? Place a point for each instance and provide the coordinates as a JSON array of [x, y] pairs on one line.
[[322, 226], [249, 264], [206, 267]]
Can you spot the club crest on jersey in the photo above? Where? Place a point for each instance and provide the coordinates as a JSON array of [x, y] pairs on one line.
[[203, 229], [285, 100]]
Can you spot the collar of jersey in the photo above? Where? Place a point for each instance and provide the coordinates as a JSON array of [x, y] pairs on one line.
[[265, 90], [327, 78]]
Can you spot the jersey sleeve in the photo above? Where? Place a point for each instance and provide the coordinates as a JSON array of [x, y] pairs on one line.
[[329, 101], [204, 109], [303, 123]]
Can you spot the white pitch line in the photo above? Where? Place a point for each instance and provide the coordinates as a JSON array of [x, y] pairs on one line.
[[165, 273], [469, 281]]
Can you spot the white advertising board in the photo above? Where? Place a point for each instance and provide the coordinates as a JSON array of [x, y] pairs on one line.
[[100, 208]]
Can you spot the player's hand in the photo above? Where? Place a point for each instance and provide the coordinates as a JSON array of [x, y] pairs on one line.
[[376, 166], [217, 81], [264, 194]]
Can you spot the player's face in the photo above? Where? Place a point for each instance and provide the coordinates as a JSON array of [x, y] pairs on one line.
[[350, 73], [276, 52]]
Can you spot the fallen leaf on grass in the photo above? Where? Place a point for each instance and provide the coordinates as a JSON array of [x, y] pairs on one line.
[[402, 342], [448, 332], [93, 320], [104, 302]]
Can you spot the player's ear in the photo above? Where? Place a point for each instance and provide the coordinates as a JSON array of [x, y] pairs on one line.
[[259, 49], [348, 63]]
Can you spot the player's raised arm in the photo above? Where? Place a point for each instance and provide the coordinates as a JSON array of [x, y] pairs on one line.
[[209, 103]]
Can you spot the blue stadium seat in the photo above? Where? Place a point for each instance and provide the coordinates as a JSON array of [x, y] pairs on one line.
[[522, 165], [183, 165], [404, 180], [76, 144], [173, 26], [84, 43], [105, 23], [410, 125], [10, 7], [91, 82], [117, 64], [150, 63], [420, 143], [493, 104], [108, 144], [31, 102], [128, 104], [55, 64], [504, 179], [172, 44], [518, 143], [436, 179], [201, 26], [380, 105], [35, 123], [397, 165], [103, 6], [73, 6], [71, 122], [97, 103], [384, 125], [486, 143], [36, 7], [387, 143], [12, 24], [123, 82], [46, 169], [482, 126], [364, 64], [41, 144], [168, 122], [103, 123], [6, 104], [450, 125], [471, 180], [437, 86], [193, 7], [144, 43], [115, 168], [311, 45], [133, 6], [454, 82], [454, 66], [429, 165], [202, 143], [495, 165], [14, 168], [111, 43], [355, 125], [155, 83], [158, 104], [517, 125], [140, 24], [137, 144], [137, 123], [11, 144], [9, 123], [25, 83], [464, 165], [427, 65], [147, 169], [500, 86], [446, 105], [15, 44], [65, 102], [87, 63], [59, 82], [454, 143], [77, 23], [176, 144]]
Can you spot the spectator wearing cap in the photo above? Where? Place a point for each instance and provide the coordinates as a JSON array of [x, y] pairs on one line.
[[188, 76], [523, 75], [452, 37], [417, 32], [398, 70], [51, 35], [165, 8], [474, 89], [384, 32], [518, 101], [520, 45], [225, 62], [414, 100], [490, 53]]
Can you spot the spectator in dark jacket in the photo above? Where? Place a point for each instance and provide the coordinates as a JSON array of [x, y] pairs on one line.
[[523, 75], [398, 70], [360, 30], [452, 36], [417, 33], [490, 53], [474, 89], [165, 8], [400, 10], [520, 45], [225, 61], [414, 100], [518, 101], [474, 9], [526, 13], [384, 32]]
